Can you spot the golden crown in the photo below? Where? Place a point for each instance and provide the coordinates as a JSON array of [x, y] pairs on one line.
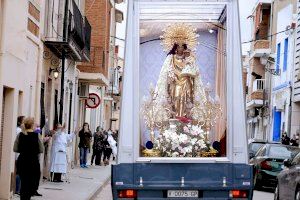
[[179, 33]]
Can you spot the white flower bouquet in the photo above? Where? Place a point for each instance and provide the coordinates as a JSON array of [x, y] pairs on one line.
[[185, 141]]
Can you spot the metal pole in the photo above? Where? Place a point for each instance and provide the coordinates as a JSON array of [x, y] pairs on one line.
[[112, 90], [62, 80]]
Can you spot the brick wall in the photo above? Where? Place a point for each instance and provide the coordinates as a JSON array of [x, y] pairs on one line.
[[34, 12], [98, 13], [31, 25]]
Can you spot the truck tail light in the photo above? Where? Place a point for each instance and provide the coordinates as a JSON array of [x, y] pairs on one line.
[[238, 194], [127, 193]]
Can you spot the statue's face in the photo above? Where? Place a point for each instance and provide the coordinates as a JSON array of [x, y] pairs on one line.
[[180, 50]]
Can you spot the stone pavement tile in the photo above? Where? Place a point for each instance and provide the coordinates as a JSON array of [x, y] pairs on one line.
[[84, 183]]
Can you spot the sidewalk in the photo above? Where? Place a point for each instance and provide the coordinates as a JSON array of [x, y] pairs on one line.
[[84, 184]]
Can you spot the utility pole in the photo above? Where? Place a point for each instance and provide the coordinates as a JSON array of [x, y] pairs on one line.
[[63, 59]]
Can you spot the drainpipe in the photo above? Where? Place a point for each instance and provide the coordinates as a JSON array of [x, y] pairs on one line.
[[290, 112]]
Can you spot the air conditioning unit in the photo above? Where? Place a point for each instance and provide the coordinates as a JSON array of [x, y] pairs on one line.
[[83, 90]]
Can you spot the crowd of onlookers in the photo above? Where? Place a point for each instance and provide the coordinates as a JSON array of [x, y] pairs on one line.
[[286, 140], [29, 144]]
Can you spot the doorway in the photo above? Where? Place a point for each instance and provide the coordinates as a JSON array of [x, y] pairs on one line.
[[277, 126]]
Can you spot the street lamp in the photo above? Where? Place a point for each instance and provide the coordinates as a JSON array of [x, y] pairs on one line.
[[55, 72]]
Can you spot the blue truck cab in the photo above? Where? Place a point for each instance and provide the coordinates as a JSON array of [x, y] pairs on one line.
[[191, 143]]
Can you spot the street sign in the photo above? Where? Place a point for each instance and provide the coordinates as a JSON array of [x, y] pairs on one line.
[[93, 101]]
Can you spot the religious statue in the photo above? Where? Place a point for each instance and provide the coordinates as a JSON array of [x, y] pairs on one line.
[[179, 107], [179, 81]]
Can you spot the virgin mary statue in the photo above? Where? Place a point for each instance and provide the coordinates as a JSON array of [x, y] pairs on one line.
[[179, 84]]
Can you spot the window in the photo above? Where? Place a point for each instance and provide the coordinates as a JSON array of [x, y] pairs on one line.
[[278, 58], [283, 152], [285, 55]]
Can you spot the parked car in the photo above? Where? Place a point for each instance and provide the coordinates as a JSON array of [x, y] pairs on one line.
[[268, 163], [288, 187], [254, 146]]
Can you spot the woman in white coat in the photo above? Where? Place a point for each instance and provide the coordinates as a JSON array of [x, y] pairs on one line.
[[60, 142]]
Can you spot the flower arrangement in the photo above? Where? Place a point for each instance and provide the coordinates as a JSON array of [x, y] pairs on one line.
[[181, 141]]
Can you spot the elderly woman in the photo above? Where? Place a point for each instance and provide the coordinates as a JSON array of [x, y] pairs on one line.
[[29, 145]]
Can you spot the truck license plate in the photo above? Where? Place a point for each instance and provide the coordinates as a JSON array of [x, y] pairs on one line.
[[183, 193]]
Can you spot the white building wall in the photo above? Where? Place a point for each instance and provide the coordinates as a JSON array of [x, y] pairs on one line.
[[20, 68], [281, 89]]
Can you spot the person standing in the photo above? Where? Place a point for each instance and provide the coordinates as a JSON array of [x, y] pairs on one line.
[[59, 153], [294, 141], [20, 126], [29, 145], [85, 136], [285, 139], [110, 146], [106, 150], [97, 146]]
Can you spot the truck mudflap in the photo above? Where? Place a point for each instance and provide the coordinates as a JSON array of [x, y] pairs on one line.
[[182, 181]]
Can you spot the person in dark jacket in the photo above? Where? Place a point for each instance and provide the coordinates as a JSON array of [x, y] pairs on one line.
[[285, 139], [107, 150], [97, 146], [29, 145], [294, 141], [85, 136]]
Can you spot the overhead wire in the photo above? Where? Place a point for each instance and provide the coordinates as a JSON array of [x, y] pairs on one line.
[[266, 37]]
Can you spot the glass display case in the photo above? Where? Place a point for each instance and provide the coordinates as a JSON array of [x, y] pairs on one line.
[[182, 80]]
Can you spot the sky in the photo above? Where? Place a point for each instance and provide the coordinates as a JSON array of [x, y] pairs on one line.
[[246, 7]]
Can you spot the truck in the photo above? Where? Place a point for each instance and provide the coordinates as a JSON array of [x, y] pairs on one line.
[[182, 123]]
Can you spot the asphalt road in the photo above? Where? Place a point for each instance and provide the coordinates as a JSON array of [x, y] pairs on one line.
[[105, 194]]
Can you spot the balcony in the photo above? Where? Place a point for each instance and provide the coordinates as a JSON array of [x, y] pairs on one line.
[[260, 48], [255, 98], [75, 44]]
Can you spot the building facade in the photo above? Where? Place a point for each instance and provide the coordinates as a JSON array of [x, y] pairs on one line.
[[32, 46], [283, 51], [97, 75], [256, 77], [271, 71], [295, 115]]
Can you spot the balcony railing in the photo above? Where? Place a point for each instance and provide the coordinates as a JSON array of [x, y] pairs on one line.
[[262, 44], [260, 48], [255, 98], [76, 43], [258, 85]]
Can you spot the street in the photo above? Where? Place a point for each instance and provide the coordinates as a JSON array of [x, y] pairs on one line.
[[105, 194]]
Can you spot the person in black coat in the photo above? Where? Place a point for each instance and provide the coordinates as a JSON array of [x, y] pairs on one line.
[[97, 146], [85, 136], [285, 139], [29, 145], [107, 150]]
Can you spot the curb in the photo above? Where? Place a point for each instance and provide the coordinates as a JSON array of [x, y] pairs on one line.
[[97, 191]]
